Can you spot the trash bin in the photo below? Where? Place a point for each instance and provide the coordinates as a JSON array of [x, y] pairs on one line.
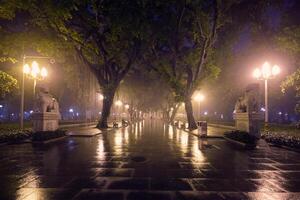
[[202, 128], [199, 127]]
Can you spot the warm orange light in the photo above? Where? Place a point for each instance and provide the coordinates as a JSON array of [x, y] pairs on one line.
[[44, 72], [26, 69], [275, 70], [199, 97], [266, 70], [127, 106], [35, 70], [119, 103], [101, 97], [257, 73]]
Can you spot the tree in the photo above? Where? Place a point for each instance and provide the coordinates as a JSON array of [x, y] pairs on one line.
[[293, 81], [106, 35], [289, 41], [7, 84], [183, 46]]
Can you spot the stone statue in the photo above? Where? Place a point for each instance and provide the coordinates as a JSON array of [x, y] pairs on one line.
[[249, 102], [45, 111], [247, 111], [44, 101]]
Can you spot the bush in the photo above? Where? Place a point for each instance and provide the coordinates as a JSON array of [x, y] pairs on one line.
[[14, 135], [47, 135], [283, 140], [241, 136]]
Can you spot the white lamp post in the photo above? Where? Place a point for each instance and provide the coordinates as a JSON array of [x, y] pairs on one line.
[[34, 72], [265, 73]]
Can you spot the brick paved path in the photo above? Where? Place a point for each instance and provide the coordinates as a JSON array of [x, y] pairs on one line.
[[147, 161]]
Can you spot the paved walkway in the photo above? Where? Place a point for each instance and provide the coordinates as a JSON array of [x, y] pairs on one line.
[[147, 161]]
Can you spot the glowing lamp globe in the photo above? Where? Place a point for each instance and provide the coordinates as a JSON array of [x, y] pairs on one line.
[[26, 69], [266, 70], [44, 72], [275, 70], [119, 103], [199, 97], [257, 73]]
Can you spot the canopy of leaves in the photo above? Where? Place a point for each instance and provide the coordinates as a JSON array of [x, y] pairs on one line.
[[293, 81], [7, 84], [184, 33], [105, 34]]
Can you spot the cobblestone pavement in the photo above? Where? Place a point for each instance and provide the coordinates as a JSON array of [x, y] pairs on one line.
[[147, 161]]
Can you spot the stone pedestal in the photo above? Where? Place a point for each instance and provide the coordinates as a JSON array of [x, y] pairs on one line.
[[249, 122], [46, 121]]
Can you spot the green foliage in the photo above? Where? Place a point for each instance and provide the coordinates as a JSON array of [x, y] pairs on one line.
[[184, 50], [8, 8], [14, 135], [293, 81], [47, 135], [289, 40], [241, 136], [7, 84]]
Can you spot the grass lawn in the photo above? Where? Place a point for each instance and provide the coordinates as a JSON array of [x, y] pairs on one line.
[[14, 126], [8, 127]]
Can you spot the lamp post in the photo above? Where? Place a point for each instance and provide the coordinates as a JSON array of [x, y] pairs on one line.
[[199, 98], [265, 73], [33, 72]]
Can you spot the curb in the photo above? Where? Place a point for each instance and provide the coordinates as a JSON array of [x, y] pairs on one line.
[[51, 140], [63, 126], [208, 136], [222, 126], [240, 144]]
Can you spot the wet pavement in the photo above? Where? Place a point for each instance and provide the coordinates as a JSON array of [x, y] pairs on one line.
[[212, 131], [146, 161]]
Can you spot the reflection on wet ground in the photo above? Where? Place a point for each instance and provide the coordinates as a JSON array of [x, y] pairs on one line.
[[148, 160]]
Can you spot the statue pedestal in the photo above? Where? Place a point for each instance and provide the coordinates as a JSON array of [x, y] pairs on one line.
[[46, 121], [249, 122]]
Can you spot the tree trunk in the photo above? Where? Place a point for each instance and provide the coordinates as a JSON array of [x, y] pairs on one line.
[[166, 115], [107, 103], [189, 114], [173, 114]]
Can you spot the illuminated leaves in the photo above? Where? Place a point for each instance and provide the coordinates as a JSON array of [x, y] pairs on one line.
[[7, 84]]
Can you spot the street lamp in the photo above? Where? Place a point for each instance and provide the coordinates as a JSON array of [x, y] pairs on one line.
[[119, 103], [34, 72], [101, 97], [265, 73], [199, 98]]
